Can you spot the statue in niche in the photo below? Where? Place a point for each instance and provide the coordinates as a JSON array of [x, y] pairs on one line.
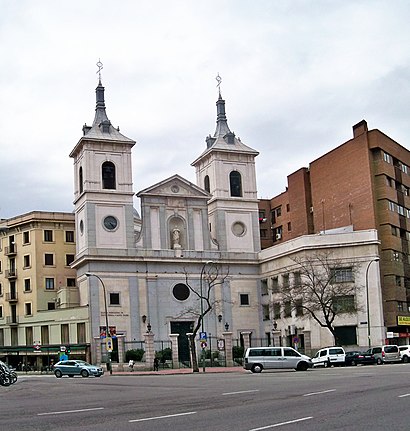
[[176, 237]]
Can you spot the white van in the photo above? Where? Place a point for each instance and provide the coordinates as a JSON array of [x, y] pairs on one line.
[[329, 356], [257, 359]]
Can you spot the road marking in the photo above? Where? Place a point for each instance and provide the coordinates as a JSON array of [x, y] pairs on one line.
[[70, 411], [162, 417], [241, 392], [282, 423], [404, 395], [318, 393]]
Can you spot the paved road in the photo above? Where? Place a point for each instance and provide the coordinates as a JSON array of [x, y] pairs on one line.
[[356, 398]]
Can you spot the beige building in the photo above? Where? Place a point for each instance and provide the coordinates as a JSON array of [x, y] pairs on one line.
[[36, 284]]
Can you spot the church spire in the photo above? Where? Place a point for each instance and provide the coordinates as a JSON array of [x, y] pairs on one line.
[[221, 122], [100, 114]]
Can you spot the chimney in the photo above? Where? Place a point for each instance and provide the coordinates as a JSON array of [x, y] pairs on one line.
[[360, 128]]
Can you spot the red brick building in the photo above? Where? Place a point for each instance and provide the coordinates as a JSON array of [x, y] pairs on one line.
[[362, 184]]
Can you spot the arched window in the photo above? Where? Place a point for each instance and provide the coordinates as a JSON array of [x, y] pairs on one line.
[[235, 182], [206, 184], [80, 178], [108, 175]]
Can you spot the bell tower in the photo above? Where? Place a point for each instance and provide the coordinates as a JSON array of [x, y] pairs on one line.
[[226, 169], [103, 196]]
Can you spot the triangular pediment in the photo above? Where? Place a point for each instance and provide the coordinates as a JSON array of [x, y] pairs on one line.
[[175, 186]]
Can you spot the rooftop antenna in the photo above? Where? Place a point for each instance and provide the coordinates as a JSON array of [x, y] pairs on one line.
[[218, 80], [100, 67]]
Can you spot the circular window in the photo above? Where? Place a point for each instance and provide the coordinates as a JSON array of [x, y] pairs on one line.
[[181, 292], [81, 227], [238, 229]]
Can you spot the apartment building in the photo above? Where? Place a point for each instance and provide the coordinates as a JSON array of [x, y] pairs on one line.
[[362, 184], [36, 284]]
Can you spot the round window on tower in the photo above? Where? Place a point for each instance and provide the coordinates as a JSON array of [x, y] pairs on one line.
[[238, 229], [181, 292], [81, 227]]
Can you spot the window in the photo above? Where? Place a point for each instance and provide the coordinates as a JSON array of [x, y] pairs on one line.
[[51, 305], [265, 312], [244, 299], [394, 230], [264, 287], [69, 236], [27, 309], [207, 186], [26, 237], [114, 299], [297, 280], [276, 310], [48, 235], [396, 256], [398, 280], [285, 281], [342, 275], [287, 207], [48, 259], [1, 289], [0, 267], [288, 309], [29, 336], [49, 283], [65, 334], [71, 282], [27, 285], [181, 292], [400, 306], [299, 307], [262, 216], [26, 261], [69, 259], [235, 182], [44, 335], [81, 333], [1, 337], [289, 226], [80, 178], [387, 158], [344, 304], [264, 233], [275, 285], [108, 175], [1, 312]]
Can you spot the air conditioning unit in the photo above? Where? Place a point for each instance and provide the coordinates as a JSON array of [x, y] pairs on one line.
[[278, 236]]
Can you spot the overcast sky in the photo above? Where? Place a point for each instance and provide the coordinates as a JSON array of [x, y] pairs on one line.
[[296, 76]]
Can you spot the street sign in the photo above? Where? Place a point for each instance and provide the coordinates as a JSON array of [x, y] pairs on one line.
[[202, 336], [203, 344], [108, 344], [37, 347], [295, 340], [221, 345], [62, 348]]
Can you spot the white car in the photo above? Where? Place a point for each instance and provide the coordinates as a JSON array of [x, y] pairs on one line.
[[404, 353], [329, 356]]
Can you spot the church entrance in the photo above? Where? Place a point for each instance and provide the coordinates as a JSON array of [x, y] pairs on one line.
[[182, 328]]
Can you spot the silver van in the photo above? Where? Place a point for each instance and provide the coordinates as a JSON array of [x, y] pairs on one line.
[[257, 359], [385, 354]]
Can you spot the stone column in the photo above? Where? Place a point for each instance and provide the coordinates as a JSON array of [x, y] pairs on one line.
[[175, 351], [228, 348], [246, 339], [120, 342], [276, 335], [189, 335], [149, 350]]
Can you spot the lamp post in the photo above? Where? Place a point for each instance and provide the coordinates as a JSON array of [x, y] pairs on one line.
[[376, 259], [107, 328], [209, 262]]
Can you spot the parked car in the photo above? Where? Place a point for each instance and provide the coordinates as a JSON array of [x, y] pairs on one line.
[[385, 354], [404, 353], [76, 367], [356, 358], [329, 356], [257, 359]]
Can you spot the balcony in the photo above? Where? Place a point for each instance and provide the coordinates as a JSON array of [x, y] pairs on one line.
[[11, 297], [11, 273], [11, 250], [12, 320]]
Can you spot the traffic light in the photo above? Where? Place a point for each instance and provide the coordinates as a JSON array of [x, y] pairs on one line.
[[68, 349]]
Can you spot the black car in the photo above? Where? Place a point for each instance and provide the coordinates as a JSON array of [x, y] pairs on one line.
[[356, 357]]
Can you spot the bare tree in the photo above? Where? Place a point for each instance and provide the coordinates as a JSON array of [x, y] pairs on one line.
[[211, 276], [323, 287]]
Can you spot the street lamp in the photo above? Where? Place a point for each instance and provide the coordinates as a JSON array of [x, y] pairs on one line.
[[209, 262], [376, 259], [107, 328]]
